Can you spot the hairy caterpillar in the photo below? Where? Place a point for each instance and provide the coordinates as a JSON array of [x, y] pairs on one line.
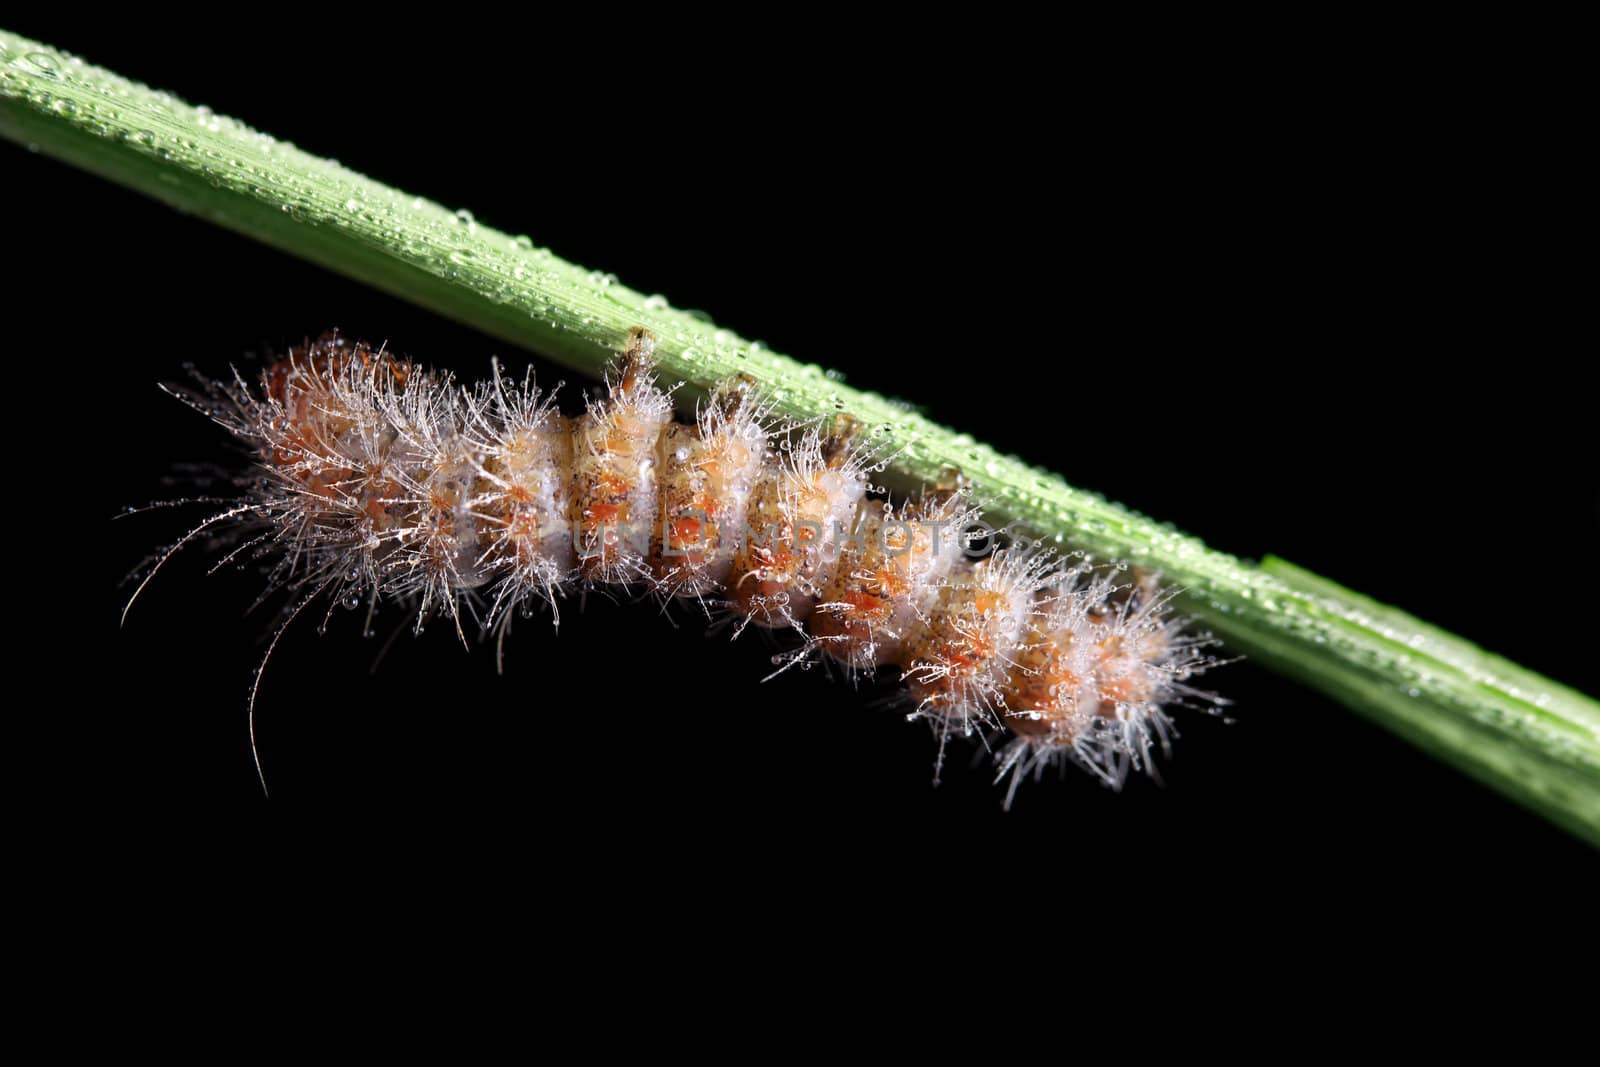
[[378, 480]]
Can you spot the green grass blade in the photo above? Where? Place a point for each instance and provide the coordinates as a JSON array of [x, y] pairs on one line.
[[1536, 741]]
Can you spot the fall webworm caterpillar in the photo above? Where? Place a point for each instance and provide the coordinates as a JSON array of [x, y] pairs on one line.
[[379, 481]]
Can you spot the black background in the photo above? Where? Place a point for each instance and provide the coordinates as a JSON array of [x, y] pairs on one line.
[[1325, 317]]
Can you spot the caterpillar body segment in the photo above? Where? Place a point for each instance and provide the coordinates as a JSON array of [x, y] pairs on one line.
[[958, 662], [522, 447], [709, 468], [801, 505], [614, 468], [887, 575]]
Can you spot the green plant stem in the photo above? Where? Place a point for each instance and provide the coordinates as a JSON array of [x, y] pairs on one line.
[[1536, 741]]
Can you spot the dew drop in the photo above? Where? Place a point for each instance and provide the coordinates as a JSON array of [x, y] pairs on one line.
[[43, 63]]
